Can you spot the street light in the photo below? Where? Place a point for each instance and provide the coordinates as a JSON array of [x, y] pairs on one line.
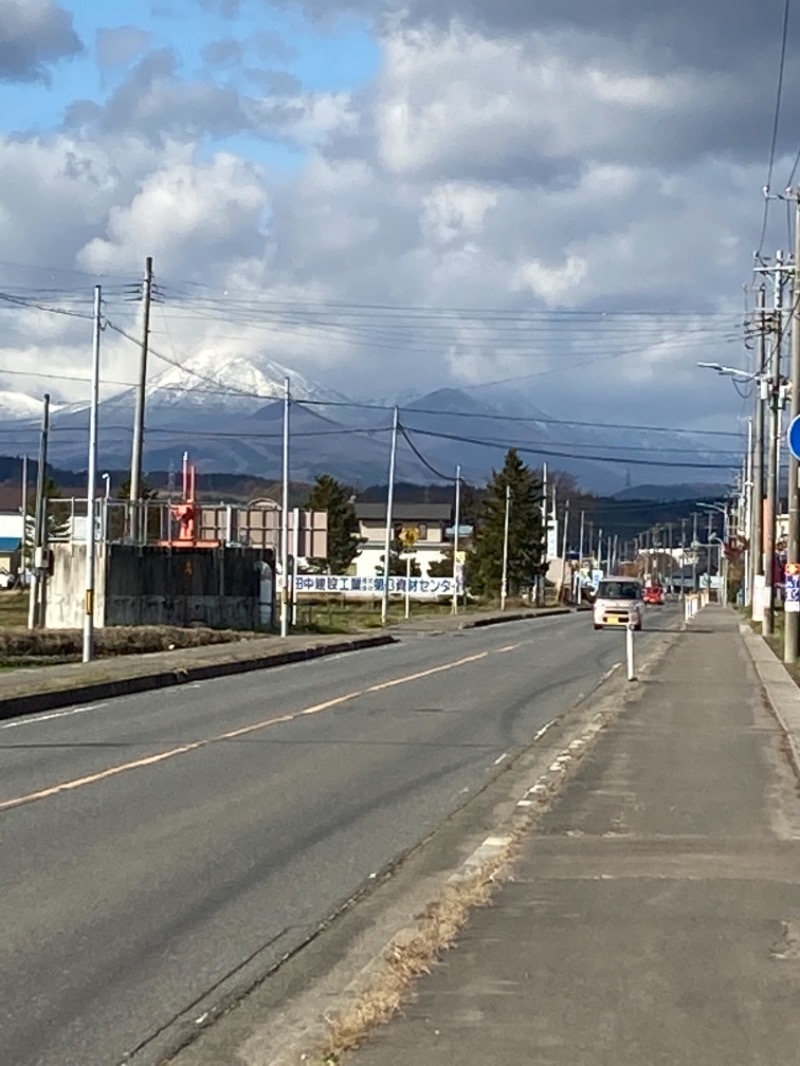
[[730, 371], [723, 511]]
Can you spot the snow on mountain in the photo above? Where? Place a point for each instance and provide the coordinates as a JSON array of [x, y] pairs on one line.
[[241, 385], [19, 407]]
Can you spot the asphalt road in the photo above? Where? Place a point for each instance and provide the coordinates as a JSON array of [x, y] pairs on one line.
[[158, 848]]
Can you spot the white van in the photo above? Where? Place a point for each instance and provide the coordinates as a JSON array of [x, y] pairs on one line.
[[619, 601]]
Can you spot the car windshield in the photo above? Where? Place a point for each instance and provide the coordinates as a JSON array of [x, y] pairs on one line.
[[619, 590]]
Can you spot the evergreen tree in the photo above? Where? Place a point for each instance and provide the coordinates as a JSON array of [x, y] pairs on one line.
[[525, 531], [57, 510], [442, 567], [397, 562], [344, 543], [118, 516]]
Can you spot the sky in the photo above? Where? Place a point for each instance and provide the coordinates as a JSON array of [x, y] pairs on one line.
[[565, 195]]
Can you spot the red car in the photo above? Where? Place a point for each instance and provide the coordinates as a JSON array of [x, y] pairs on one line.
[[654, 594]]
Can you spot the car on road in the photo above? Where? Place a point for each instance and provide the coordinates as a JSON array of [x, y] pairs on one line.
[[619, 602], [654, 594]]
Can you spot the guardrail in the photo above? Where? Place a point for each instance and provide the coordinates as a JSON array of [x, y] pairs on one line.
[[694, 602]]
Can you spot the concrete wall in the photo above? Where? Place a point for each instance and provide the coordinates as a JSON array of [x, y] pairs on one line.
[[220, 588]]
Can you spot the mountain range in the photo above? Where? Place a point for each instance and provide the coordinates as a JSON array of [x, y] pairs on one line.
[[229, 416]]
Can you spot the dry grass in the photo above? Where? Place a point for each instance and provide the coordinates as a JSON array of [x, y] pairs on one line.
[[66, 644], [410, 955]]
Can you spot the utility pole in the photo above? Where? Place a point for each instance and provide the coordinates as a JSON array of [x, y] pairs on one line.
[[456, 564], [768, 624], [757, 491], [24, 512], [287, 403], [695, 549], [579, 589], [504, 575], [39, 569], [791, 646], [564, 542], [138, 421], [91, 486], [389, 516]]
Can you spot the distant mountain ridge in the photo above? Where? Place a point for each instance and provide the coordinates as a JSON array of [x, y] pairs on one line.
[[228, 414]]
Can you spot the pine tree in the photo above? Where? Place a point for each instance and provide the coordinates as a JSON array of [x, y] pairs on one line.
[[398, 565], [344, 543], [118, 519], [525, 531], [57, 510]]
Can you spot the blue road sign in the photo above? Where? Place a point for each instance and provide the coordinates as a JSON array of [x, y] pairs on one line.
[[793, 437]]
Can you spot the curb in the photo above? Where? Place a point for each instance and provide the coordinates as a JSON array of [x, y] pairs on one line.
[[36, 702], [515, 616], [491, 860], [781, 691]]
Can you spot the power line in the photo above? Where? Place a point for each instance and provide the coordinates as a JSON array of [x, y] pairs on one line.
[[775, 124], [527, 419], [549, 452], [431, 469]]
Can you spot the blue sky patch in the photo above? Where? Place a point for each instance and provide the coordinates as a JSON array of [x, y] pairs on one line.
[[261, 51]]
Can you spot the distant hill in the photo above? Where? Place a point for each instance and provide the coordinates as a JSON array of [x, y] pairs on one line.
[[709, 492]]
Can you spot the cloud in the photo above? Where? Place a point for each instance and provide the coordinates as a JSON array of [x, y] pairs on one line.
[[34, 34], [223, 53], [521, 165], [119, 46]]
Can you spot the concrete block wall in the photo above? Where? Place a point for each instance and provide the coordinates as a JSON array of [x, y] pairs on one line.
[[151, 585]]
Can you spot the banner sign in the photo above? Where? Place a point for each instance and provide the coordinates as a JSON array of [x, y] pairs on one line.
[[419, 587], [791, 590]]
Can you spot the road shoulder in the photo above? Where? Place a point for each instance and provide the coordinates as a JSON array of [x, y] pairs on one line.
[[289, 1015]]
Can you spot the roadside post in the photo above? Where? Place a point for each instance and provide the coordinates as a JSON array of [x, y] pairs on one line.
[[409, 538], [629, 631]]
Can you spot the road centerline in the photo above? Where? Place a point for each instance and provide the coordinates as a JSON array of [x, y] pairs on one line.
[[233, 734]]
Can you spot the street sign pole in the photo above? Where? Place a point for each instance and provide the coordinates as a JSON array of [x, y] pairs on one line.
[[791, 604]]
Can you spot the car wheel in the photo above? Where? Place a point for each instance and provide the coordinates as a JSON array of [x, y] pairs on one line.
[[598, 627]]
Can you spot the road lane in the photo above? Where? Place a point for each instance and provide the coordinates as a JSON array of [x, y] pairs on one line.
[[124, 901]]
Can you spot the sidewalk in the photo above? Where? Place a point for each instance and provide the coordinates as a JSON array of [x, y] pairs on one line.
[[654, 915]]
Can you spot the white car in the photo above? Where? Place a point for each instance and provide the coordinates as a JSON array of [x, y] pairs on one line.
[[619, 602]]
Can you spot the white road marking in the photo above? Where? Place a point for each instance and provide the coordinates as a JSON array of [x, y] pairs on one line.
[[69, 713], [501, 758]]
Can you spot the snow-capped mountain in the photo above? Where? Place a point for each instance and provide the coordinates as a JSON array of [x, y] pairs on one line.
[[18, 406], [236, 385]]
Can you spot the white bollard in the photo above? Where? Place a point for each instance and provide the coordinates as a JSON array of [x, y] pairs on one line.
[[630, 651]]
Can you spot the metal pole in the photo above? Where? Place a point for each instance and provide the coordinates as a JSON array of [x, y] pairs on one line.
[[768, 624], [456, 569], [564, 537], [579, 589], [389, 516], [39, 524], [745, 524], [141, 392], [287, 400], [24, 509], [504, 576], [695, 549], [791, 646], [541, 581], [295, 553], [91, 532], [630, 652], [408, 586]]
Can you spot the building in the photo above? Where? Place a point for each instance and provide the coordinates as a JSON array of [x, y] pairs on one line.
[[431, 522]]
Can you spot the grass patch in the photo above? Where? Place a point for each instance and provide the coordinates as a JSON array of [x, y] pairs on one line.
[[13, 609], [46, 647], [410, 955], [337, 615]]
